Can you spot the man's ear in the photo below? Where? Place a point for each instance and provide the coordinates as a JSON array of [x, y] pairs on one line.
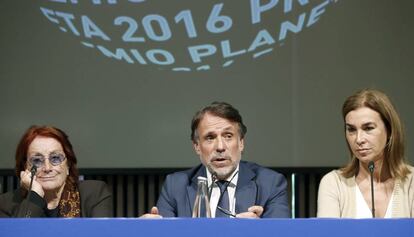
[[196, 147], [241, 145]]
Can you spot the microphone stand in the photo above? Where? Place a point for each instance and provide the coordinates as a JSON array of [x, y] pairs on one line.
[[371, 168], [33, 173]]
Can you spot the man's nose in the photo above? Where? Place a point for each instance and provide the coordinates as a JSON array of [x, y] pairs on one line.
[[221, 145]]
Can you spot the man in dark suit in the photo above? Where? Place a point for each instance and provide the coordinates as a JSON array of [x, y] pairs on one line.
[[249, 190]]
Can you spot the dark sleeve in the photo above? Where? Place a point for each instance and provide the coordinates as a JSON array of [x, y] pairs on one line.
[[12, 204], [166, 205], [96, 200], [277, 205]]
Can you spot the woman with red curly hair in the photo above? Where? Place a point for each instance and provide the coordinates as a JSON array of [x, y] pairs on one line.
[[55, 191]]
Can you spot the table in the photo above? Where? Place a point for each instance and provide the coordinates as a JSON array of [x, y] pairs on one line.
[[203, 227]]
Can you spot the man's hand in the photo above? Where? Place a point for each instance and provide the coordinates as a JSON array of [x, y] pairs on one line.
[[153, 214], [252, 212]]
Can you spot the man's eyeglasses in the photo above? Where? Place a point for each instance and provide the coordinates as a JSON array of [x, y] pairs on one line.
[[54, 159]]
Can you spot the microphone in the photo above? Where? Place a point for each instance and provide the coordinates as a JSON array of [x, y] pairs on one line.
[[213, 180], [371, 168], [33, 173]]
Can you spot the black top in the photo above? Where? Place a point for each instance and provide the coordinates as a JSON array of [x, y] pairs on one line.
[[96, 201]]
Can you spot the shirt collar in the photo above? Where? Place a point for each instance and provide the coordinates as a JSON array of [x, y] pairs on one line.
[[233, 182]]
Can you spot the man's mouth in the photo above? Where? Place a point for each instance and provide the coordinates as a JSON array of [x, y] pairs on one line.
[[220, 161]]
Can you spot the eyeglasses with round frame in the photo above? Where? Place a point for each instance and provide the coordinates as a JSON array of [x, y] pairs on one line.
[[39, 160]]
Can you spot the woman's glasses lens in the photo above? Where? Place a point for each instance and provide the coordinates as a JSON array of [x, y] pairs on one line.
[[37, 161], [54, 159]]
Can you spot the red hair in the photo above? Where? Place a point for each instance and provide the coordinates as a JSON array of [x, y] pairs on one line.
[[52, 132]]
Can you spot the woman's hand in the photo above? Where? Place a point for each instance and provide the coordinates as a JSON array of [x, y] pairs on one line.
[[25, 177]]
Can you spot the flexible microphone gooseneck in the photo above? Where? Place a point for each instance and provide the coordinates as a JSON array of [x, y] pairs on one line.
[[33, 173], [213, 180], [371, 168]]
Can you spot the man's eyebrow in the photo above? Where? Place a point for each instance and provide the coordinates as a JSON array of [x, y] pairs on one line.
[[209, 133], [228, 128]]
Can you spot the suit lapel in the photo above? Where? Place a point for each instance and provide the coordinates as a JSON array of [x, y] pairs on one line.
[[246, 189], [192, 188]]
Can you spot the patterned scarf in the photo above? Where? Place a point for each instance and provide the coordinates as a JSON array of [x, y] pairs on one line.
[[69, 204]]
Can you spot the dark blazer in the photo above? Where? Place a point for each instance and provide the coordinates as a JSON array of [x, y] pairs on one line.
[[256, 185], [96, 201]]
